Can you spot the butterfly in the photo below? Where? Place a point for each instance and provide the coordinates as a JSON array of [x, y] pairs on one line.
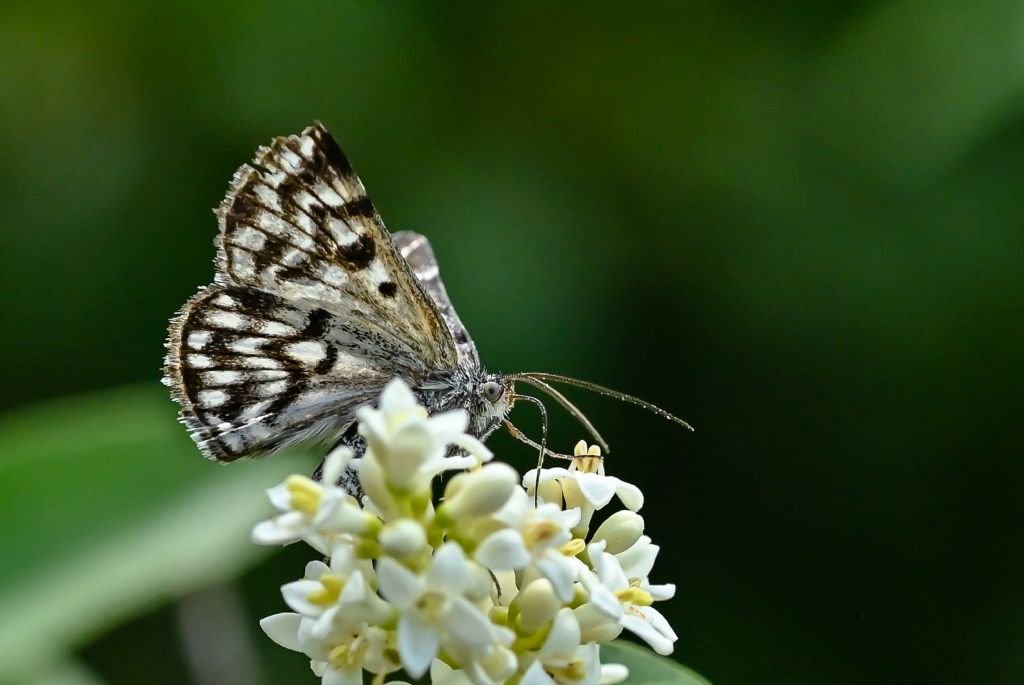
[[315, 307]]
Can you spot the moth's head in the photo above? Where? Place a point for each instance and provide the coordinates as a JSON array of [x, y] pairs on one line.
[[493, 398]]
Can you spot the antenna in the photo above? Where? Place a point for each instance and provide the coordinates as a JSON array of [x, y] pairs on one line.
[[557, 396], [601, 390]]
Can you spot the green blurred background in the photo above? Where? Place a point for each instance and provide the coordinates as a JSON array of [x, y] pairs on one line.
[[799, 225]]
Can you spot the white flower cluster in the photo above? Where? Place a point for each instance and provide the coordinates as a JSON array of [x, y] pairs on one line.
[[496, 583]]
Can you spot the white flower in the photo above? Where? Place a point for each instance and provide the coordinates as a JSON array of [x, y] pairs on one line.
[[537, 605], [352, 652], [403, 537], [493, 665], [534, 536], [336, 596], [313, 511], [340, 658], [563, 660], [433, 607], [534, 604], [585, 485], [637, 562], [620, 531], [477, 493], [410, 444], [612, 595]]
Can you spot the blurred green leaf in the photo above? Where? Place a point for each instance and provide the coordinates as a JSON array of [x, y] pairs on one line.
[[647, 667], [68, 673], [109, 510]]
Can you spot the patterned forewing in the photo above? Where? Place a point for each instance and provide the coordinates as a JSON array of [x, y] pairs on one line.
[[418, 254], [297, 223], [254, 372]]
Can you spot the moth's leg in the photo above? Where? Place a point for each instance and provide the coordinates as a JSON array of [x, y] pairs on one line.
[[349, 479]]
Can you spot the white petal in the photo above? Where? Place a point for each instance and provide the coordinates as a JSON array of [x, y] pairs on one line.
[[296, 596], [343, 676], [503, 550], [598, 490], [315, 569], [530, 477], [335, 464], [563, 640], [638, 560], [417, 644], [410, 448], [602, 599], [397, 397], [536, 675], [355, 590], [280, 496], [646, 632], [273, 533], [473, 446], [283, 629], [450, 570], [630, 495], [399, 585], [447, 424], [591, 657], [656, 619], [560, 572], [468, 624], [611, 674], [443, 674], [661, 592]]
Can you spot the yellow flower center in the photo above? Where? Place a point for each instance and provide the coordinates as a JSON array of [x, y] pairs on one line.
[[306, 494], [399, 419], [573, 547], [634, 595], [573, 672], [588, 463], [348, 654], [332, 584], [432, 605], [540, 533]]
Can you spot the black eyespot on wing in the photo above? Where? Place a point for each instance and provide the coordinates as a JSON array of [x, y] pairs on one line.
[[359, 253], [387, 289]]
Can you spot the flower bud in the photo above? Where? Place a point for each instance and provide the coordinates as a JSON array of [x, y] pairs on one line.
[[403, 537], [537, 605], [478, 493], [595, 626], [620, 530]]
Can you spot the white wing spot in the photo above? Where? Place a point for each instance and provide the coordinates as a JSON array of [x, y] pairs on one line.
[[259, 363], [224, 301], [271, 389], [224, 319], [242, 263], [246, 345], [276, 328], [256, 410], [223, 377], [291, 160], [335, 275], [248, 237], [341, 232], [198, 339], [200, 361], [212, 398], [328, 194], [306, 352], [268, 375]]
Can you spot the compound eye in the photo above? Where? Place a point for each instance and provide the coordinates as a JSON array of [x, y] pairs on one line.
[[492, 391]]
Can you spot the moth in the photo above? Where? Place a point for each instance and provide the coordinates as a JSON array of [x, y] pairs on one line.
[[315, 307]]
